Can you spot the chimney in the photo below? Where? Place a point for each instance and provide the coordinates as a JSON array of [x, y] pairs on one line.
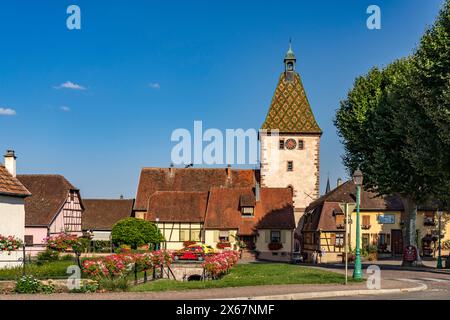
[[10, 162], [339, 182], [121, 197], [229, 171], [257, 191]]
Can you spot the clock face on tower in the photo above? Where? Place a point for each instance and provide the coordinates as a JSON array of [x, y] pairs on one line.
[[290, 144]]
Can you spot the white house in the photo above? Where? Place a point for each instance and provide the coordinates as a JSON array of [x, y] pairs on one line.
[[12, 207]]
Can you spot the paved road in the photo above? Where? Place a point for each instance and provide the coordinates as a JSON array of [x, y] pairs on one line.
[[438, 285]]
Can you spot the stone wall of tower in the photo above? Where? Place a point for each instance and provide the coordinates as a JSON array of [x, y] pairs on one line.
[[304, 179]]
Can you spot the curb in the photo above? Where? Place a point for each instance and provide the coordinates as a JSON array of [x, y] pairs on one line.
[[331, 294]]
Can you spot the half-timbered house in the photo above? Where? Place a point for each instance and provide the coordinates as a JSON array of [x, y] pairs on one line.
[[54, 207]]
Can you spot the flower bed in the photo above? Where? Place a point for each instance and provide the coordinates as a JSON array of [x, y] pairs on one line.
[[120, 265], [9, 244], [219, 264]]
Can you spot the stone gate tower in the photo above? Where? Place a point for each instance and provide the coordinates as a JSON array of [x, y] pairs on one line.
[[290, 140]]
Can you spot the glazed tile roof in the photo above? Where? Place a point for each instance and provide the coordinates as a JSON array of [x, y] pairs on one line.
[[49, 193], [190, 179], [11, 186], [290, 111], [102, 214]]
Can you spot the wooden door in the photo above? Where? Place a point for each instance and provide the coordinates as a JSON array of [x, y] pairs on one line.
[[397, 242]]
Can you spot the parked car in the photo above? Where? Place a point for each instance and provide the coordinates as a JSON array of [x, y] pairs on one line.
[[193, 252], [206, 248]]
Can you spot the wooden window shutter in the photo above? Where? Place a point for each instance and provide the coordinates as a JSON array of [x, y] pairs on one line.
[[216, 236], [267, 236], [283, 236], [333, 239], [366, 220]]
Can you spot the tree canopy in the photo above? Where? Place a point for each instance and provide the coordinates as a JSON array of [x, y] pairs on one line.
[[135, 232], [395, 124]]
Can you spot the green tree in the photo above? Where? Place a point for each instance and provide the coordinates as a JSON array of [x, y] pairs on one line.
[[135, 232], [395, 124]]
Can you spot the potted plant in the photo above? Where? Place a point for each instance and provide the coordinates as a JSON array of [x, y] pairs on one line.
[[373, 252], [223, 245]]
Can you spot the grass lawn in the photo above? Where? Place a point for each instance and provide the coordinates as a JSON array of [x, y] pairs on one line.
[[251, 275], [49, 270]]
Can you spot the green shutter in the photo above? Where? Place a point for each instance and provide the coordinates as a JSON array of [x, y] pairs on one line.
[[283, 236]]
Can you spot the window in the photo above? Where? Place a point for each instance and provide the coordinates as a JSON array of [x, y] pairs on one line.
[[290, 166], [72, 196], [300, 144], [339, 240], [247, 211], [429, 219], [281, 144], [224, 236], [275, 236], [365, 222], [340, 223], [29, 240]]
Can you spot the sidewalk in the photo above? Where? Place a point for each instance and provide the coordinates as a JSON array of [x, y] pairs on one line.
[[256, 292]]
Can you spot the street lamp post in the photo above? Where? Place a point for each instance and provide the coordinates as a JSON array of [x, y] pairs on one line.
[[358, 179], [439, 260]]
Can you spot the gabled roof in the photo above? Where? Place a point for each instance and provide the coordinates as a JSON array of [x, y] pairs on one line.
[[10, 185], [290, 111], [320, 213], [102, 214], [273, 211], [190, 179], [346, 192], [177, 206], [49, 193]]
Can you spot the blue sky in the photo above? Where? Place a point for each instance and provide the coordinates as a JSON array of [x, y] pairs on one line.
[[149, 67]]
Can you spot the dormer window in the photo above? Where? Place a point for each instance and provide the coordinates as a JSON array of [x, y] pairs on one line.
[[248, 211]]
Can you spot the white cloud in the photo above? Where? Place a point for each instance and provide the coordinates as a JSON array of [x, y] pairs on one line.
[[65, 108], [70, 85], [7, 112], [154, 85]]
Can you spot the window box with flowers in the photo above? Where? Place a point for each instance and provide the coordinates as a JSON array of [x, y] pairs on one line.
[[223, 245], [275, 246], [365, 226], [9, 244]]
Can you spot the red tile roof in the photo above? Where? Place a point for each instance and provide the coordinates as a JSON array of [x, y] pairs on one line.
[[49, 193], [11, 186], [274, 210], [190, 179], [319, 214], [176, 206], [102, 214]]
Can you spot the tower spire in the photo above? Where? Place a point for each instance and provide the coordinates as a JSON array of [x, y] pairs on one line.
[[289, 62]]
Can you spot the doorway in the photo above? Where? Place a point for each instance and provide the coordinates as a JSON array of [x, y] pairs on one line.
[[397, 242]]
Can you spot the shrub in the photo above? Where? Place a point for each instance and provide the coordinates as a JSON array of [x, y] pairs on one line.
[[118, 284], [47, 256], [86, 288], [28, 284], [135, 233]]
